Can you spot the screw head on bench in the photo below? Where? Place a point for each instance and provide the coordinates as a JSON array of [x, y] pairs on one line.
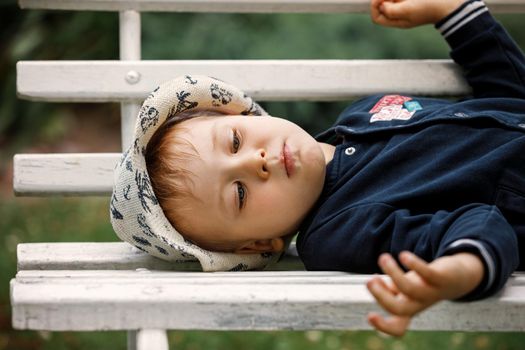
[[132, 77]]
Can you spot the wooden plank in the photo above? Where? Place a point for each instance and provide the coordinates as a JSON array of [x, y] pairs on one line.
[[117, 300], [130, 50], [112, 256], [211, 278], [211, 6], [264, 80], [64, 174], [149, 339], [235, 6]]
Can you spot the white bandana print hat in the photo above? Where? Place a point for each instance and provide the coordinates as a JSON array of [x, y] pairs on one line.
[[136, 215]]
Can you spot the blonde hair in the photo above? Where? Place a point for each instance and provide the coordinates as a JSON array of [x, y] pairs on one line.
[[166, 154]]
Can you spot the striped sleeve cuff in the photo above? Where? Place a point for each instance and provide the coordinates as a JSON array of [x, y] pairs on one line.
[[488, 262], [460, 17]]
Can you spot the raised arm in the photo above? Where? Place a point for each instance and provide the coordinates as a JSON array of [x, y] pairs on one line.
[[493, 64]]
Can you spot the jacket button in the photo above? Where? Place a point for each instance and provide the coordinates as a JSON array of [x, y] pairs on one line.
[[349, 151]]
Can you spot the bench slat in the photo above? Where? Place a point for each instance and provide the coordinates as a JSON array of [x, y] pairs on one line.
[[202, 278], [149, 339], [112, 256], [211, 6], [64, 174], [117, 300], [264, 80], [234, 6]]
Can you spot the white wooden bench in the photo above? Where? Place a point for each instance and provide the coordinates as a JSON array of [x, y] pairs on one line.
[[114, 286]]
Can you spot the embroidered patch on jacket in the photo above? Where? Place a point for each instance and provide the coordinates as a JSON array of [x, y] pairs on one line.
[[412, 106], [391, 112], [389, 100], [390, 107]]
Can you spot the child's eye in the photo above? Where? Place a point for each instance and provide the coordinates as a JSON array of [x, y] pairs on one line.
[[235, 142], [242, 194]]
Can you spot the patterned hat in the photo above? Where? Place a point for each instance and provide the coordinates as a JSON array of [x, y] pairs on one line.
[[136, 215]]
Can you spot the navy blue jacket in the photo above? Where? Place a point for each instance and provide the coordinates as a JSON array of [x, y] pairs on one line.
[[431, 176]]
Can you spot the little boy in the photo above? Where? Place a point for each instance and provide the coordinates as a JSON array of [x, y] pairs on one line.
[[440, 185]]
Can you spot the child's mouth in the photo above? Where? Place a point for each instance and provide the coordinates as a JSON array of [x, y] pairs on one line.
[[288, 160]]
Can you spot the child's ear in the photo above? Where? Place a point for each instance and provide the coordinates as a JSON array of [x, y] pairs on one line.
[[262, 246]]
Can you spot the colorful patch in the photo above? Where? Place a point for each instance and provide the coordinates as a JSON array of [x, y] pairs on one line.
[[392, 112], [389, 100], [412, 106]]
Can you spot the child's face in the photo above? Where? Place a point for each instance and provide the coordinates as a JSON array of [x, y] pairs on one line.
[[255, 179]]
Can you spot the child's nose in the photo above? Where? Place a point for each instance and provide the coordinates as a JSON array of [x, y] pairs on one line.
[[260, 164], [254, 164]]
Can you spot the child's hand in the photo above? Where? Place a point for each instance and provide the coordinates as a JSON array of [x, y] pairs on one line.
[[448, 277], [411, 13]]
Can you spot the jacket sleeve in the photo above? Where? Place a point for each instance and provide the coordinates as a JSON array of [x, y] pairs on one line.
[[353, 239], [493, 64]]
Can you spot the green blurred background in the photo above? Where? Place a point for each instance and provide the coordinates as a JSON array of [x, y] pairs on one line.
[[34, 127]]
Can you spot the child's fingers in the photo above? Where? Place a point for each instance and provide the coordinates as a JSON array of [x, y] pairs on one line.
[[398, 276], [375, 13], [384, 284], [392, 287], [394, 304], [392, 13], [374, 5], [411, 287], [395, 10], [415, 263], [381, 19], [394, 325], [388, 284]]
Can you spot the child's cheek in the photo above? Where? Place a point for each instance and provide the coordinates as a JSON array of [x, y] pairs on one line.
[[271, 198]]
